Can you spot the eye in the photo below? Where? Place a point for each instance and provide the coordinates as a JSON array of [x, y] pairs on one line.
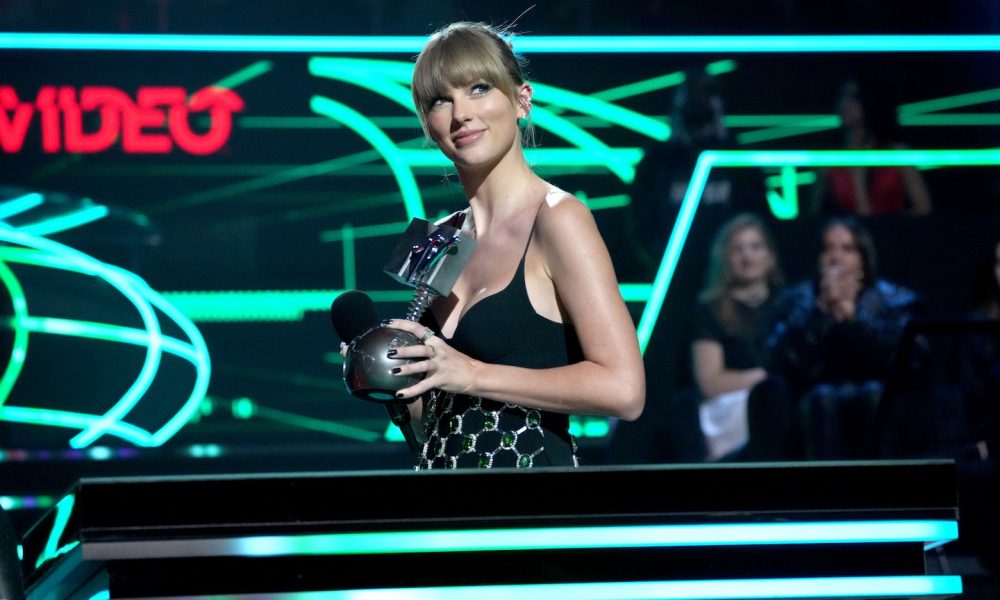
[[438, 102], [481, 88]]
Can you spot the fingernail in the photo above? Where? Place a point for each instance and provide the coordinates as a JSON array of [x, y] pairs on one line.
[[386, 321], [399, 394], [390, 353], [395, 370]]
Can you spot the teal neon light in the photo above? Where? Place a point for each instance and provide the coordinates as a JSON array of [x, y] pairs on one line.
[[552, 538], [39, 251], [64, 509], [788, 158], [16, 206], [67, 221], [19, 348], [249, 73], [382, 144], [723, 589], [959, 101], [527, 44]]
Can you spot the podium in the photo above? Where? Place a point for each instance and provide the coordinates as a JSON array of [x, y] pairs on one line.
[[794, 530]]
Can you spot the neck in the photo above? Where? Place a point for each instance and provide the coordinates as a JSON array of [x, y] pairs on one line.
[[500, 191], [751, 293]]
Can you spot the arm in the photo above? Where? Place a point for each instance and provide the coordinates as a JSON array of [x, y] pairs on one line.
[[711, 374], [916, 191], [610, 379]]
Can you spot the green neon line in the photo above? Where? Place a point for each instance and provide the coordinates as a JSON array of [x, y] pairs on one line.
[[752, 158], [63, 512], [339, 429], [381, 143], [393, 434], [951, 120], [906, 586], [630, 90], [365, 231], [823, 123], [720, 67], [607, 202], [788, 207], [65, 222], [801, 178], [739, 121], [623, 117], [16, 206], [227, 192], [19, 348], [350, 272], [794, 44], [958, 101], [246, 74]]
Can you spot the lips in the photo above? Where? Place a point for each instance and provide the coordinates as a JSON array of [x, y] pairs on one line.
[[464, 138]]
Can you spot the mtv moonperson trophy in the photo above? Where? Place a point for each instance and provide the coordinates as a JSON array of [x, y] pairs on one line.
[[429, 258]]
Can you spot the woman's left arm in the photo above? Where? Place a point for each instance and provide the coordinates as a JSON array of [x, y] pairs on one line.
[[610, 380]]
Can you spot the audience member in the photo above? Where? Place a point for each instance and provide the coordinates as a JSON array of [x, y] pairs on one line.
[[734, 315], [868, 122], [662, 176], [830, 352]]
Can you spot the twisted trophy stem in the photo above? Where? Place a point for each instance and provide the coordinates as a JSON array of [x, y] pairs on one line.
[[422, 298]]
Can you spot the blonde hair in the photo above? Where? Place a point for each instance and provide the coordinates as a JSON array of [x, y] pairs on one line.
[[461, 54]]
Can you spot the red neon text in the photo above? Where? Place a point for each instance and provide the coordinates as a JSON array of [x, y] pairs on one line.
[[153, 123]]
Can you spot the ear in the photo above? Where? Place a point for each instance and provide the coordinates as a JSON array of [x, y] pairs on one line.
[[524, 94]]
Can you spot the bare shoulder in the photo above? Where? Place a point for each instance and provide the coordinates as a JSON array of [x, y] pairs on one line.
[[563, 213]]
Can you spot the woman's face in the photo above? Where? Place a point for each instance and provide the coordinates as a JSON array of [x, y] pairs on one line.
[[840, 252], [476, 125], [748, 256]]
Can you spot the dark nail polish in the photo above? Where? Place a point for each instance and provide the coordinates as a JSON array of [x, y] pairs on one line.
[[390, 353], [386, 321], [395, 370], [399, 394]]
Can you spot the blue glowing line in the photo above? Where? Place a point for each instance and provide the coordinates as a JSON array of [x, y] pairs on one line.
[[795, 44], [780, 158], [612, 113], [66, 221], [48, 253], [489, 540], [363, 126], [803, 587], [71, 420], [15, 206]]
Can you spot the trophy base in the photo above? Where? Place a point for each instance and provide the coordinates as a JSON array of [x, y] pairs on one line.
[[368, 371]]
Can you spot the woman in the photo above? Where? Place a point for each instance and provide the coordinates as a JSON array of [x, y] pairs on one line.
[[535, 328], [834, 343], [734, 315], [869, 122]]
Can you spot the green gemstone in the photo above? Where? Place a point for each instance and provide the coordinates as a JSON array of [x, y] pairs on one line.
[[524, 461], [534, 419], [484, 461], [468, 443], [491, 421], [508, 439], [455, 425]]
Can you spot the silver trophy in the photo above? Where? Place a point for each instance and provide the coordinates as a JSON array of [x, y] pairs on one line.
[[428, 258]]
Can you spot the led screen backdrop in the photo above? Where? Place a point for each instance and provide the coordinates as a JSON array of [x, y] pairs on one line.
[[178, 218]]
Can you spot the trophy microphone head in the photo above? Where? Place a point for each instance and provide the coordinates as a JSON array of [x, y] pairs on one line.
[[367, 369]]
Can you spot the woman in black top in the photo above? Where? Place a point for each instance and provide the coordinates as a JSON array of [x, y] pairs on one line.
[[535, 327]]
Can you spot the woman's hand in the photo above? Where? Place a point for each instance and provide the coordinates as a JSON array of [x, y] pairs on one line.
[[839, 289], [445, 368]]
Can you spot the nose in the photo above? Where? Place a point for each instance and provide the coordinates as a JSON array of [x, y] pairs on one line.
[[459, 110]]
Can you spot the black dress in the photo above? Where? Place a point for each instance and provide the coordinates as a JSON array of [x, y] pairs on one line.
[[471, 432]]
